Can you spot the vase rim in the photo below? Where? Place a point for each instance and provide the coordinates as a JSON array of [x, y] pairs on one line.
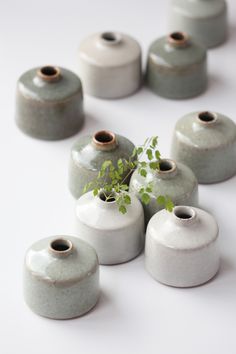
[[49, 73]]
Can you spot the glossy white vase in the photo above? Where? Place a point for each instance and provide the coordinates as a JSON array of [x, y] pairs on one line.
[[116, 237], [181, 247]]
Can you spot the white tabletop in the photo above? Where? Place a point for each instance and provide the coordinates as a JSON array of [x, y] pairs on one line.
[[135, 314]]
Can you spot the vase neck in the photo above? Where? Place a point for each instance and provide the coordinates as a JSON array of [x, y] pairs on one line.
[[184, 215], [106, 200], [49, 74], [207, 119], [110, 39], [167, 169], [104, 140], [61, 247], [178, 40]]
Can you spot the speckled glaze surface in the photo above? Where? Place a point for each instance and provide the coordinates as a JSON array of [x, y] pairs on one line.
[[205, 20], [116, 237], [176, 67], [88, 155], [182, 247], [49, 103], [206, 142], [109, 65], [177, 181], [61, 277]]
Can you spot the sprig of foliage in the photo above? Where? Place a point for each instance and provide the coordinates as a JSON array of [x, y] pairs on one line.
[[112, 179]]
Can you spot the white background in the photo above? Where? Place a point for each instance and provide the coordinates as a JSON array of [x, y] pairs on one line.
[[135, 314]]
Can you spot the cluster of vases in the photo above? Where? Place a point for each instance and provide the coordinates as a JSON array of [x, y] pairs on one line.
[[61, 274]]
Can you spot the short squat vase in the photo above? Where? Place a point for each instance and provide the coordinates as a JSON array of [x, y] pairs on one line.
[[181, 247], [49, 103], [173, 179], [206, 142], [116, 237], [88, 155], [109, 65], [205, 20], [176, 67], [61, 277]]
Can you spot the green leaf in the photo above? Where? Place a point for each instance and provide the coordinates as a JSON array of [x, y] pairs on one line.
[[149, 154], [145, 198], [106, 164], [143, 172], [134, 153], [157, 155], [153, 165], [149, 189], [124, 187], [161, 200], [127, 199], [154, 141], [122, 209], [95, 192], [139, 150], [169, 204]]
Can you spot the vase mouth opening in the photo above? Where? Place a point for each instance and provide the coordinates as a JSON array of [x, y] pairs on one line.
[[207, 117], [49, 73], [184, 214], [104, 139], [167, 166], [107, 197], [178, 38], [110, 37], [61, 246]]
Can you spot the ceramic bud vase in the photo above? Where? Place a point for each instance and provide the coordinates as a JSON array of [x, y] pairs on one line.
[[61, 277], [176, 67], [173, 179], [205, 20], [206, 142], [109, 65], [116, 237], [181, 247], [49, 103], [88, 155]]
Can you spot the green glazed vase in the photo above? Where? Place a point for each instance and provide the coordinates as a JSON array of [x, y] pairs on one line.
[[172, 179], [61, 277], [49, 103], [88, 155], [206, 142], [176, 67]]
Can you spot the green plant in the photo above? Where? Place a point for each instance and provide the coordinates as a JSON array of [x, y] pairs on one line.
[[111, 181]]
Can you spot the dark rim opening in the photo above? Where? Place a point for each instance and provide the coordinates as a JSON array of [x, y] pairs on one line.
[[104, 137], [177, 36], [103, 197], [109, 36], [183, 213], [166, 165], [61, 245], [50, 71], [207, 117]]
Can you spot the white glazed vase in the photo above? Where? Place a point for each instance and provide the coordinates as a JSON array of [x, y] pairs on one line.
[[181, 247], [116, 237]]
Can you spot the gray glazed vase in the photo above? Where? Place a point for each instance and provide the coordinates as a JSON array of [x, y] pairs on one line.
[[206, 142], [205, 20], [61, 277], [49, 103], [181, 247], [173, 179], [176, 67], [88, 155], [109, 65]]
